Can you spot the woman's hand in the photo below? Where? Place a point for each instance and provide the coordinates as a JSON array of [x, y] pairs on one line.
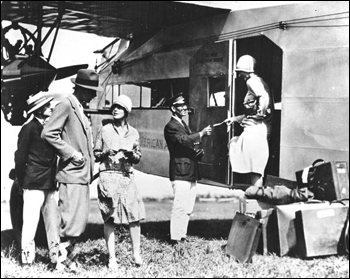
[[229, 121]]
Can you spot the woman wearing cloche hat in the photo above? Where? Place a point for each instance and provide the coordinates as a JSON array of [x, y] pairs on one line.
[[117, 149]]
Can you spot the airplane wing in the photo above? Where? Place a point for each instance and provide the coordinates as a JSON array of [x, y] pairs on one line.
[[108, 18]]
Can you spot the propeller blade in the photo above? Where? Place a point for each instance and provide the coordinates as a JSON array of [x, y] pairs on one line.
[[69, 71]]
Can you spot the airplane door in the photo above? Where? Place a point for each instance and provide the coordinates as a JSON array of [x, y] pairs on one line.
[[269, 67], [208, 94]]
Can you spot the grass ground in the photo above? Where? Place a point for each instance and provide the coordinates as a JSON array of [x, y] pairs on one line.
[[202, 257]]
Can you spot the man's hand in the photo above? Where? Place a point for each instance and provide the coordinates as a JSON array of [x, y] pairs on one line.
[[206, 131], [77, 158]]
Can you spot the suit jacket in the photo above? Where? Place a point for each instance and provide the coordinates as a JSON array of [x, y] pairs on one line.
[[67, 132], [35, 159], [183, 164]]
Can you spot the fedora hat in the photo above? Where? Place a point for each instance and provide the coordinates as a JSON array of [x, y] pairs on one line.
[[88, 79], [37, 101]]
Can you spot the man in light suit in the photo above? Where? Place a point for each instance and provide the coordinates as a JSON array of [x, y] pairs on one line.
[[183, 167], [68, 131], [35, 168]]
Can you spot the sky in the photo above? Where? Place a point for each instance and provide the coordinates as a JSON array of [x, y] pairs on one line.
[[71, 48]]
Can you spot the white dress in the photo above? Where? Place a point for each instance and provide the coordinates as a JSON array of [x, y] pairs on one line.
[[249, 152]]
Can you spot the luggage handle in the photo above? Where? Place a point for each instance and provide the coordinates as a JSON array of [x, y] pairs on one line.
[[312, 201], [318, 161], [311, 170], [340, 201]]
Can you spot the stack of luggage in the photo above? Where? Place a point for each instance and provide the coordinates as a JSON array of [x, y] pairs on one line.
[[307, 218]]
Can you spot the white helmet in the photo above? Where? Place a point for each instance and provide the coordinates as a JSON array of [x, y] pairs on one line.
[[123, 101], [246, 63]]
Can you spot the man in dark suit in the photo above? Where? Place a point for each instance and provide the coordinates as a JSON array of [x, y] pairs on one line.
[[69, 132], [183, 167], [35, 167]]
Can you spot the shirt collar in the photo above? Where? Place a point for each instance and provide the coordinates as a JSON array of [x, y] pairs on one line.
[[41, 121], [76, 100], [177, 118]]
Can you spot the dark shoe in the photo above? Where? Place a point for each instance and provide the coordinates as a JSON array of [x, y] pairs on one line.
[[184, 239]]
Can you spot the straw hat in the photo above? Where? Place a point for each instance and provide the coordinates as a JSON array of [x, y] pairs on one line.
[[37, 101]]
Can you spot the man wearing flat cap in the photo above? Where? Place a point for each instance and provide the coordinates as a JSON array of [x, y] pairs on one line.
[[183, 167], [35, 168], [68, 131]]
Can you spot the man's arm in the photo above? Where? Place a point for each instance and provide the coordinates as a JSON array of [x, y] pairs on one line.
[[53, 129], [173, 134]]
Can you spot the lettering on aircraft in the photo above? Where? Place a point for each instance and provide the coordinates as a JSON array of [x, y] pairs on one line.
[[153, 143]]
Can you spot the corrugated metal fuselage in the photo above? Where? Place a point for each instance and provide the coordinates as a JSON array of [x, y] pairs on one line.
[[303, 54]]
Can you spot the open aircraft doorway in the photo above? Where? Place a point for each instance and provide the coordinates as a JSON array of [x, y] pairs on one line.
[[269, 67]]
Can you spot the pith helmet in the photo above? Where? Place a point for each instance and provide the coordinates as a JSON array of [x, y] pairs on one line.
[[246, 63]]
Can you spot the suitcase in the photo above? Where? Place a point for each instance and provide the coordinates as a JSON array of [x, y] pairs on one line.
[[261, 211], [243, 238], [252, 206], [267, 242], [328, 180], [284, 220], [320, 232]]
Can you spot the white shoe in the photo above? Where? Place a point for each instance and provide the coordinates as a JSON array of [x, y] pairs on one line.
[[138, 260], [63, 252], [27, 257], [59, 266], [73, 267], [112, 264]]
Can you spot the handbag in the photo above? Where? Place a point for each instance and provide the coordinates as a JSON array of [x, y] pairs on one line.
[[327, 180]]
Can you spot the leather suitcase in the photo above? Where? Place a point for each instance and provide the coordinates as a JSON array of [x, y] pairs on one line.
[[252, 206], [320, 232], [243, 238], [267, 242], [284, 220], [328, 181]]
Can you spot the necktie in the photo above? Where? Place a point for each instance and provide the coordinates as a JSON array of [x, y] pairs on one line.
[[186, 127]]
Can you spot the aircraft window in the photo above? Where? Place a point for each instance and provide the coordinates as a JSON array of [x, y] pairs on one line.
[[132, 91], [111, 92], [146, 97], [217, 94], [162, 90], [150, 94]]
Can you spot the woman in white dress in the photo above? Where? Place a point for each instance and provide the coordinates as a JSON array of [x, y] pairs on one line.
[[249, 152]]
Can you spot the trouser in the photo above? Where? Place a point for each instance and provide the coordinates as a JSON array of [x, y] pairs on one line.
[[183, 204], [33, 202], [74, 208]]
